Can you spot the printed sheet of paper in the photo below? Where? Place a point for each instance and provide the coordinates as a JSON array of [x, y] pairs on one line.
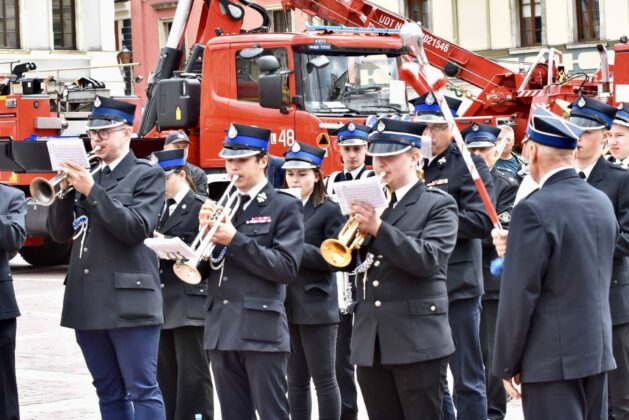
[[170, 248], [67, 149], [367, 190], [295, 192]]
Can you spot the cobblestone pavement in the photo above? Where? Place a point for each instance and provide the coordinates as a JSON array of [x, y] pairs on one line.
[[52, 378]]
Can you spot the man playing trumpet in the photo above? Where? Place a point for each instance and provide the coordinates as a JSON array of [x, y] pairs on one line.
[[246, 330], [401, 338]]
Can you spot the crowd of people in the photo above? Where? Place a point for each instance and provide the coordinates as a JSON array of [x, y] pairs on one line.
[[534, 305]]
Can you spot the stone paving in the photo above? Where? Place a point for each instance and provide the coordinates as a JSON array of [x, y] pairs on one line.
[[52, 378]]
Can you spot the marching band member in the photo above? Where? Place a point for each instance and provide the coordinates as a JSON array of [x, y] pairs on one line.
[[352, 142], [12, 236], [619, 137], [448, 171], [179, 140], [246, 330], [554, 330], [112, 298], [312, 300], [183, 369], [481, 140], [402, 338], [596, 119]]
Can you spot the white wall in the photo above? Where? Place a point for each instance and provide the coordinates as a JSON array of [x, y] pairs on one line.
[[473, 24]]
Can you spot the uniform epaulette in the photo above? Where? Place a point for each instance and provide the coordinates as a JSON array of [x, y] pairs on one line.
[[145, 161], [285, 193], [436, 190], [200, 197]]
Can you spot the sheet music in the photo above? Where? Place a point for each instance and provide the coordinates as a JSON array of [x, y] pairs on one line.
[[71, 149], [170, 248], [367, 190], [295, 192]]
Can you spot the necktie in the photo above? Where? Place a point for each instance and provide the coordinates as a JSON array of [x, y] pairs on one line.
[[582, 175], [244, 199], [426, 163], [348, 176], [166, 212], [393, 201], [103, 174]]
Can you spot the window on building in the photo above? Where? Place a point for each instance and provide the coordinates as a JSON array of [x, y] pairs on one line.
[[530, 22], [417, 10], [281, 21], [63, 24], [9, 28], [588, 20], [247, 74]]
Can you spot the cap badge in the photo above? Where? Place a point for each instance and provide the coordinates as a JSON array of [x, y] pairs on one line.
[[232, 133], [351, 127], [581, 102], [381, 126], [620, 106], [475, 127], [295, 148], [97, 102], [430, 99]]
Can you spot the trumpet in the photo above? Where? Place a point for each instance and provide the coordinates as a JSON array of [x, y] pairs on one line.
[[338, 252], [46, 191], [202, 246]]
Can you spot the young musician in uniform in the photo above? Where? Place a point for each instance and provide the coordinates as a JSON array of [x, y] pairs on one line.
[[312, 299], [352, 141], [112, 298], [402, 339], [481, 140], [619, 137], [12, 236], [179, 140], [258, 253], [183, 369]]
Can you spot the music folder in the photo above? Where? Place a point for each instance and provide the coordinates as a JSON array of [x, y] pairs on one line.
[[170, 248]]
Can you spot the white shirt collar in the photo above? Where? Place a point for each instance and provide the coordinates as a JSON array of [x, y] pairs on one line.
[[305, 200], [355, 172], [181, 194], [253, 192], [117, 161], [402, 191], [625, 162], [551, 173], [587, 171]]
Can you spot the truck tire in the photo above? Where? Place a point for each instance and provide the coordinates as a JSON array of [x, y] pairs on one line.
[[50, 253]]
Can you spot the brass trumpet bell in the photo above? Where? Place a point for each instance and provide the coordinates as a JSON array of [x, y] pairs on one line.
[[186, 273]]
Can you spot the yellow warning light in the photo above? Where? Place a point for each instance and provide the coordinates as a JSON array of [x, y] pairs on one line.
[[178, 114]]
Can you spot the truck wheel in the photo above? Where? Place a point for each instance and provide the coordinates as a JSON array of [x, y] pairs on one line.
[[50, 253]]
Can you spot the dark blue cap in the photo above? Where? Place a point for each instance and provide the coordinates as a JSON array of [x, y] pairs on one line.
[[454, 105], [303, 156], [427, 108], [176, 137], [107, 113], [244, 141], [391, 137], [169, 160], [352, 134], [550, 130], [622, 115], [590, 114], [480, 135]]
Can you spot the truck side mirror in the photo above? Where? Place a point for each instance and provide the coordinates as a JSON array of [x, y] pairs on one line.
[[269, 83]]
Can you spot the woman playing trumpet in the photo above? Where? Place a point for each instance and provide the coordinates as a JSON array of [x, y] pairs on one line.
[[312, 301]]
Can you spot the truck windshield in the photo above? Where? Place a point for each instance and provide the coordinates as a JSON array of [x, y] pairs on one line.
[[348, 85]]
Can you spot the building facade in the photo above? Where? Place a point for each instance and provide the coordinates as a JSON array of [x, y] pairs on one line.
[[61, 34]]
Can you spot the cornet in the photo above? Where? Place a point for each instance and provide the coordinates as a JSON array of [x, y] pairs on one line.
[[202, 246], [46, 191], [338, 252]]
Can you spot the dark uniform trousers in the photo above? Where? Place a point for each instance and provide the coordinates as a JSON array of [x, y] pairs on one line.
[[346, 371], [614, 182], [246, 329], [183, 369], [402, 337], [449, 173], [12, 235], [554, 324], [112, 297], [506, 188], [313, 313]]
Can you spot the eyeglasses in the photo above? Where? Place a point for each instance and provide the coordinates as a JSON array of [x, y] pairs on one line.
[[102, 134]]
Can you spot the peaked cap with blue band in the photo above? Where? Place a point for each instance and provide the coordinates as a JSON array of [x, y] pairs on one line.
[[107, 113], [352, 134], [244, 141], [169, 160], [480, 135], [303, 156], [622, 115], [590, 114], [428, 110], [550, 130], [391, 137]]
